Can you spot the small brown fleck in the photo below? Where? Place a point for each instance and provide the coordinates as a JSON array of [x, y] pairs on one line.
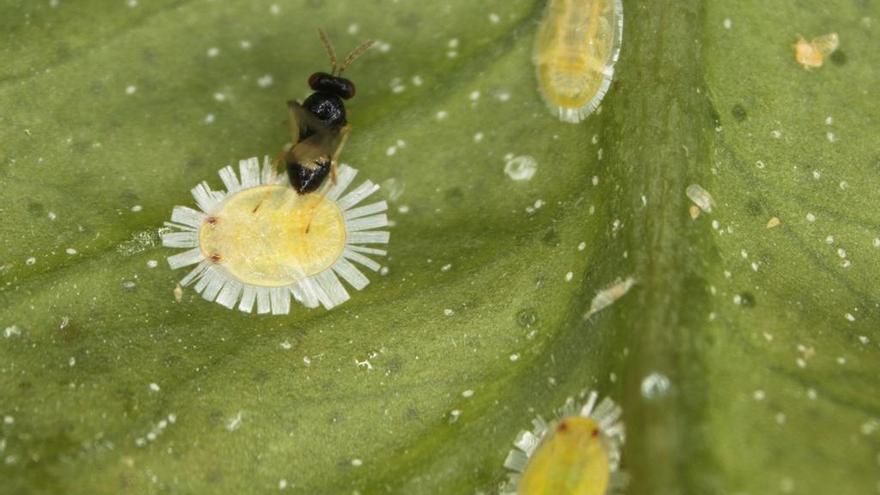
[[562, 427], [215, 257], [211, 221], [811, 54], [178, 293]]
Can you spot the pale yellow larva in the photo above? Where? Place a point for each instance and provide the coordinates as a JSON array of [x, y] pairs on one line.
[[577, 44]]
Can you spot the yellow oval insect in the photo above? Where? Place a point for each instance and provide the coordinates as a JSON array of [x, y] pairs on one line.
[[577, 455], [573, 461], [576, 48]]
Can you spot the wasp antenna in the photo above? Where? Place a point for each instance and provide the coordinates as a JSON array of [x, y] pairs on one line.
[[330, 51], [357, 52]]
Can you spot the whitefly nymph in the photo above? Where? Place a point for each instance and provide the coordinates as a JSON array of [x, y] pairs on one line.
[[258, 244], [576, 454], [577, 45]]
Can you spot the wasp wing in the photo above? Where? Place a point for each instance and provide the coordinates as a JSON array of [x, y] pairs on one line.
[[321, 146]]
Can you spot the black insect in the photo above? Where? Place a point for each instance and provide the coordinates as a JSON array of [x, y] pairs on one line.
[[318, 126]]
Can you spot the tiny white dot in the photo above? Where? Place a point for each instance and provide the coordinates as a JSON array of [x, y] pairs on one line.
[[130, 90], [265, 81], [152, 263], [70, 251], [154, 387], [213, 52]]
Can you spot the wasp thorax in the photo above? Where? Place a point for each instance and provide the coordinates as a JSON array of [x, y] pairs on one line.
[[326, 107], [328, 83]]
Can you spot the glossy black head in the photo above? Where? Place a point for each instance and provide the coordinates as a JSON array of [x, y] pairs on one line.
[[328, 83], [327, 108]]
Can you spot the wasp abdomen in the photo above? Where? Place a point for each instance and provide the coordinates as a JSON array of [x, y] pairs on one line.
[[307, 179]]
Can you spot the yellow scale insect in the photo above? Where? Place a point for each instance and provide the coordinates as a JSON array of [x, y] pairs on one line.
[[577, 45], [578, 454]]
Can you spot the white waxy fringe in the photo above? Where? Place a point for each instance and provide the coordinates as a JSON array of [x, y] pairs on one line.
[[187, 216], [230, 180], [185, 258], [181, 239], [214, 282]]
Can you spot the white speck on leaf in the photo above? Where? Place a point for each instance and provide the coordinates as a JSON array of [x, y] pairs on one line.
[[608, 296], [521, 167], [700, 197], [265, 81], [655, 385], [234, 422], [12, 331]]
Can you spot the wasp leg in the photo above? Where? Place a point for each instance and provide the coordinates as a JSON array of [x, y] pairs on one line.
[[334, 163]]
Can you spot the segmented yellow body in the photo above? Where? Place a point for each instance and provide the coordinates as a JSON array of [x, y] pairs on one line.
[[577, 45]]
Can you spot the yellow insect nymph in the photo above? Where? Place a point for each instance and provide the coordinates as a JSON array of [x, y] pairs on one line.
[[577, 45], [577, 455]]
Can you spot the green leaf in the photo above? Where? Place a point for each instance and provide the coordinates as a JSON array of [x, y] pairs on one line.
[[768, 336]]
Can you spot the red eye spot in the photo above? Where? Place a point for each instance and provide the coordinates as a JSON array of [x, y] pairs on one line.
[[562, 427], [216, 257], [211, 220], [595, 432]]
